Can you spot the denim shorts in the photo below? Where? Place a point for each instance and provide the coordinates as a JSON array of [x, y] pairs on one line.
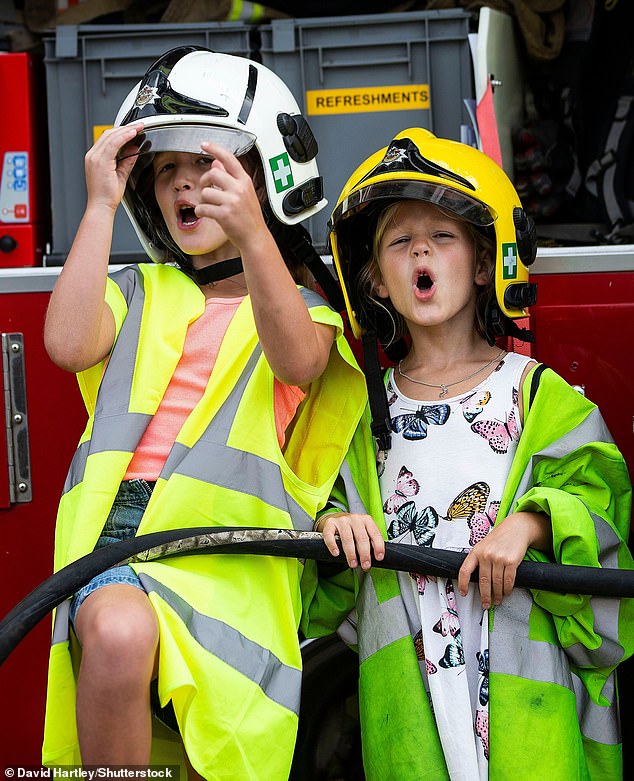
[[122, 524]]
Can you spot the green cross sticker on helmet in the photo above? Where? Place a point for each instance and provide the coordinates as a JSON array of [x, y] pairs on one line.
[[509, 261], [191, 94], [282, 172]]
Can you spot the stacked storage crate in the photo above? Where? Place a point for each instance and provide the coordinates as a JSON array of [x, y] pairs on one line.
[[358, 80], [361, 80]]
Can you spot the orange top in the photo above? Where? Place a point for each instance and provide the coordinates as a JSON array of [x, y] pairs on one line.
[[188, 384]]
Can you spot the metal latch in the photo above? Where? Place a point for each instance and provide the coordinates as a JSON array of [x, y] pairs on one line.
[[17, 430]]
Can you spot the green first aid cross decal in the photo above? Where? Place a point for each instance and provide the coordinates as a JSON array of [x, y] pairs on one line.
[[282, 172], [509, 261]]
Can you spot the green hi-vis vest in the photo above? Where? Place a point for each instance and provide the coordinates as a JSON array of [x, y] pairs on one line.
[[229, 654], [553, 712]]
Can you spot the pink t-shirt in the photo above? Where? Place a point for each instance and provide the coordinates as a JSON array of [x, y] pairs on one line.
[[188, 383]]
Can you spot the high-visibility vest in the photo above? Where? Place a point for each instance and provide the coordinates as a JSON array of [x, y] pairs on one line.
[[229, 654], [552, 706]]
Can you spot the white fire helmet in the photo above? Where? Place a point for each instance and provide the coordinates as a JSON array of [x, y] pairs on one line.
[[190, 95]]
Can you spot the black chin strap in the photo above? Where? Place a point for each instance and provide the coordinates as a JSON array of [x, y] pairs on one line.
[[217, 271], [377, 397], [496, 324]]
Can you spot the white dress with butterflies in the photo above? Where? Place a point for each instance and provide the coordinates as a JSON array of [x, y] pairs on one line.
[[441, 486]]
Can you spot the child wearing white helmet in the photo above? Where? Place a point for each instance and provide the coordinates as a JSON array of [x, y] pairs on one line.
[[210, 378], [479, 450]]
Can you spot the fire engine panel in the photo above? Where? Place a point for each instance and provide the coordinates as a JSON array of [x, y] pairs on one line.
[[23, 166]]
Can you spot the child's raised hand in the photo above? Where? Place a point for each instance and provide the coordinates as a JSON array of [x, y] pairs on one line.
[[229, 198], [106, 176], [500, 553], [358, 535]]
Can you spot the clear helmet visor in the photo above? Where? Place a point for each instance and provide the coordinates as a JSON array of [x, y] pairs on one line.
[[182, 138], [187, 138], [447, 198]]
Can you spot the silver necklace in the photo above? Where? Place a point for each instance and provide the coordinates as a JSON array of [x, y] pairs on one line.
[[444, 386]]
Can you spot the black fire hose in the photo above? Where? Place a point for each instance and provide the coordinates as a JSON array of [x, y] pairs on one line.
[[54, 590]]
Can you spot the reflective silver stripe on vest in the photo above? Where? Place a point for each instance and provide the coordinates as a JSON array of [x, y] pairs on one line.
[[122, 432], [355, 503], [379, 625], [606, 612], [313, 299], [352, 502], [598, 723], [126, 280], [516, 653], [213, 461], [591, 429], [114, 427], [609, 542], [116, 386], [237, 470], [61, 625], [219, 427], [77, 467], [606, 625], [278, 681]]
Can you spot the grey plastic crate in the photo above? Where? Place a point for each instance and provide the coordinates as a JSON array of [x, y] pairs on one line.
[[363, 69], [91, 68], [89, 71]]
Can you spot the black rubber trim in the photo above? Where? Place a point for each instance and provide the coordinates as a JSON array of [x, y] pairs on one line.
[[249, 95], [535, 379]]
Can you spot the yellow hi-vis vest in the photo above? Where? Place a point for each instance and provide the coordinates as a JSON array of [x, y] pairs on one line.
[[229, 654]]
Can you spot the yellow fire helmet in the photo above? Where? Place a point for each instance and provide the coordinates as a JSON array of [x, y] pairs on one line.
[[459, 179]]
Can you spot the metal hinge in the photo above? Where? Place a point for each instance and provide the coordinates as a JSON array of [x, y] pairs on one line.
[[17, 430]]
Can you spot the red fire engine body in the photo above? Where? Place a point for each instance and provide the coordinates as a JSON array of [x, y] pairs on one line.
[[583, 329]]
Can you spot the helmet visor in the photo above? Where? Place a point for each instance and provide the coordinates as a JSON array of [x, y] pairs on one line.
[[454, 201], [187, 138]]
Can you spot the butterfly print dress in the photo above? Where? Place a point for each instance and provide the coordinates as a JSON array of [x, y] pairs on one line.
[[441, 486]]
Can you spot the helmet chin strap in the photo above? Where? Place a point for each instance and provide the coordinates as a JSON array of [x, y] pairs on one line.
[[497, 324], [217, 271]]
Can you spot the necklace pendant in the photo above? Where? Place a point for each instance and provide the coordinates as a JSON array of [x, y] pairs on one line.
[[444, 390]]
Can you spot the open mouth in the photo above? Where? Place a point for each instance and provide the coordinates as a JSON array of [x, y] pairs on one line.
[[424, 282], [187, 215]]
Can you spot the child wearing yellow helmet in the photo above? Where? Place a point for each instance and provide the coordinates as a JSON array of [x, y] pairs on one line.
[[483, 451]]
